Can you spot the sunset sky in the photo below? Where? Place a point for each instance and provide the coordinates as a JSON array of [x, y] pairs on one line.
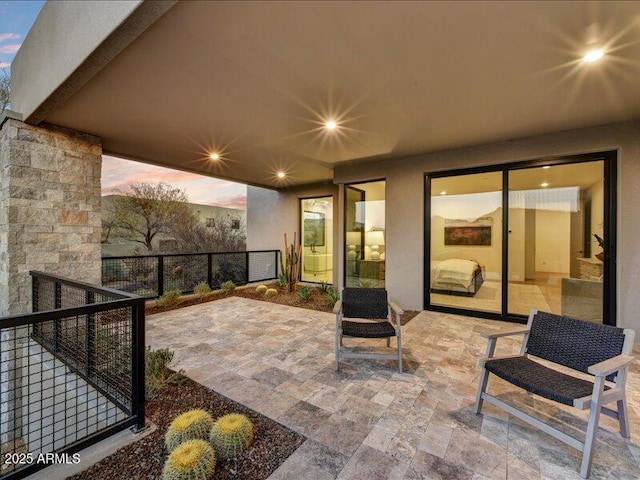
[[16, 18]]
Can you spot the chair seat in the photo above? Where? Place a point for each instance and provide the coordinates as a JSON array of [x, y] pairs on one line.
[[368, 329], [536, 378]]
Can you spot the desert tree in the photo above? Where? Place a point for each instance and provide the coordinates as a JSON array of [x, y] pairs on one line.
[[224, 235], [5, 89], [142, 211]]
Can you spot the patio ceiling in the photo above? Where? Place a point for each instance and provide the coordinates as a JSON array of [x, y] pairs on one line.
[[254, 82]]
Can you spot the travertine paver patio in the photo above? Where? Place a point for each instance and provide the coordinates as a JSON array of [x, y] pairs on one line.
[[371, 422]]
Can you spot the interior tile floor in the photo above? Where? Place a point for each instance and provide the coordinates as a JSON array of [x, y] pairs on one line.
[[371, 422]]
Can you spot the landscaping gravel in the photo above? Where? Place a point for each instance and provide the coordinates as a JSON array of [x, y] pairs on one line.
[[145, 458]]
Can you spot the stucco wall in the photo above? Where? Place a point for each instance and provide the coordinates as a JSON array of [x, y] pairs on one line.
[[405, 192], [271, 214]]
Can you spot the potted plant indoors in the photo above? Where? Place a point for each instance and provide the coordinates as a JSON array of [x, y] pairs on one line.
[[600, 256]]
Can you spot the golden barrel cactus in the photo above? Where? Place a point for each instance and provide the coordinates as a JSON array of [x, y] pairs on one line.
[[192, 460], [231, 434], [191, 425]]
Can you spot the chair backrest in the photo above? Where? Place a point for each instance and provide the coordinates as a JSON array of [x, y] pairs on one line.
[[573, 343], [364, 303]]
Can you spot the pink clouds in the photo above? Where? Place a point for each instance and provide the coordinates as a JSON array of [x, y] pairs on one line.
[[8, 36], [118, 173], [10, 49], [5, 64]]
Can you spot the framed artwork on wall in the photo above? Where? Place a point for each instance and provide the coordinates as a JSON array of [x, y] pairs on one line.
[[463, 232]]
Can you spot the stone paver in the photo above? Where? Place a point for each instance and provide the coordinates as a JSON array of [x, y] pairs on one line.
[[368, 421]]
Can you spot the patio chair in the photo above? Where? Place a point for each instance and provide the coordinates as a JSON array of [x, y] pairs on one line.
[[602, 351], [374, 316]]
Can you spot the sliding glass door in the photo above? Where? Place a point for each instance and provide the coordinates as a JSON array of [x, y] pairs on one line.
[[534, 235]]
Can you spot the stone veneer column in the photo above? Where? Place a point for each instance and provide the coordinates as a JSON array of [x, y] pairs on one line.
[[50, 220]]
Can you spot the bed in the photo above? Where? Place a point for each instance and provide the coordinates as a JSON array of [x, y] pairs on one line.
[[456, 276]]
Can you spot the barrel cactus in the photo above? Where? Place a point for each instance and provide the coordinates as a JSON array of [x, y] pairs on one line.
[[192, 460], [231, 434], [191, 425], [271, 292], [261, 289]]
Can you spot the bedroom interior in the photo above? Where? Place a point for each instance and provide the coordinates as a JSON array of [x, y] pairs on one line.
[[365, 257], [553, 213]]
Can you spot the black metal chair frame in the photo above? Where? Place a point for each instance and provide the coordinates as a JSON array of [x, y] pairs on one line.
[[377, 317], [602, 351]]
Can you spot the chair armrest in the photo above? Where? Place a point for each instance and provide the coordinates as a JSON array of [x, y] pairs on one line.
[[505, 333], [395, 308], [610, 366], [337, 307]]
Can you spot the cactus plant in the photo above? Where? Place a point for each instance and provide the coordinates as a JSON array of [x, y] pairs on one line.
[[261, 289], [231, 434], [191, 425], [270, 292], [290, 262], [192, 460]]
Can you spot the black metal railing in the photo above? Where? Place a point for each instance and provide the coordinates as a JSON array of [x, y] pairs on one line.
[[72, 372], [150, 276]]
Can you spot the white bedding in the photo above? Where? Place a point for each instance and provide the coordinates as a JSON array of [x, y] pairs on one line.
[[455, 271]]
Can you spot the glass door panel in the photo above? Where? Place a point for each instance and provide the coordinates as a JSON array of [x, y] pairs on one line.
[[466, 242], [317, 239], [554, 214]]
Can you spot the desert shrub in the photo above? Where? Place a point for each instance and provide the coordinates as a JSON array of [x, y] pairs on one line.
[[170, 298], [261, 288], [231, 434], [323, 287], [271, 292], [228, 286], [282, 280], [157, 374], [191, 425], [331, 297], [202, 289], [304, 293]]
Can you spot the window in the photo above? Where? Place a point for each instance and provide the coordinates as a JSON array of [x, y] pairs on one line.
[[316, 221], [235, 224], [211, 222]]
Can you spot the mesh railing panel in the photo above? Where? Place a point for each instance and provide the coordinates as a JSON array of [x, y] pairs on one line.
[[228, 266], [136, 275], [263, 266], [152, 276], [66, 376], [184, 272]]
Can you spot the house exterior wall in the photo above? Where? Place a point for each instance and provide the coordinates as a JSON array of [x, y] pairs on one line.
[[271, 213], [405, 201]]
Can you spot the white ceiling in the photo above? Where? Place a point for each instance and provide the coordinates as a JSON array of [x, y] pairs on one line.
[[255, 81]]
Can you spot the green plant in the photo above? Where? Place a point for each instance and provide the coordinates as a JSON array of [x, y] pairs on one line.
[[261, 288], [228, 286], [169, 299], [331, 297], [366, 284], [290, 262], [231, 434], [271, 292], [323, 287], [282, 278], [191, 425], [202, 289], [304, 293], [192, 460], [157, 373], [600, 240]]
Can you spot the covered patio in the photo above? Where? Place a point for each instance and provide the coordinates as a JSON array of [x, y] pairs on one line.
[[369, 421]]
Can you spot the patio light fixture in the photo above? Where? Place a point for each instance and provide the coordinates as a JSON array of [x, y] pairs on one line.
[[593, 55]]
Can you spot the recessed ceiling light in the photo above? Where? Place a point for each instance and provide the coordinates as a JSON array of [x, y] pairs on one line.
[[545, 167], [331, 125], [544, 184], [593, 55], [443, 192], [214, 156], [281, 174]]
